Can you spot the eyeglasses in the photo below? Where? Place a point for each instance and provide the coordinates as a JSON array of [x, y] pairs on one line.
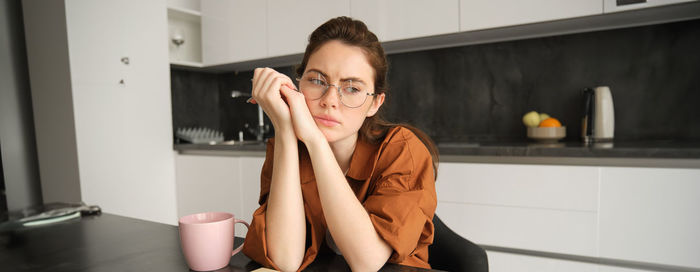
[[352, 94]]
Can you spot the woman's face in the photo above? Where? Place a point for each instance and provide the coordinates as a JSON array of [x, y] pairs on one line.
[[340, 64]]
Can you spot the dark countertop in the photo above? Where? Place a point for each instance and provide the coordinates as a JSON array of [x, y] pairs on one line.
[[669, 154], [620, 149]]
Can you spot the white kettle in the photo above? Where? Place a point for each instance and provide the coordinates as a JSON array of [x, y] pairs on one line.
[[599, 116]]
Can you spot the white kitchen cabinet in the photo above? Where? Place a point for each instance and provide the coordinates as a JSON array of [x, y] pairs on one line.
[[561, 231], [484, 14], [250, 185], [289, 23], [613, 6], [218, 183], [558, 187], [611, 268], [650, 215], [507, 262], [396, 19], [233, 31], [630, 214], [118, 95], [208, 183], [535, 207]]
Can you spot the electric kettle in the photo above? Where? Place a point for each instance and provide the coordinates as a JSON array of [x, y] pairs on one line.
[[598, 123]]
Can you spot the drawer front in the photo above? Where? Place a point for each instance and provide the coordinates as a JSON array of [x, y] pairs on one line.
[[650, 215], [536, 186], [250, 185], [207, 183], [507, 262], [551, 230]]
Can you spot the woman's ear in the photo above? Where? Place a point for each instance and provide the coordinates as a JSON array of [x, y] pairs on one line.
[[376, 104]]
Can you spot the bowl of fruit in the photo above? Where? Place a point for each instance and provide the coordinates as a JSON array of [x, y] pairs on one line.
[[542, 127]]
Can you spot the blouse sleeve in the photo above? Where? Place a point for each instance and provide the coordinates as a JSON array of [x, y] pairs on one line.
[[255, 246], [403, 201]]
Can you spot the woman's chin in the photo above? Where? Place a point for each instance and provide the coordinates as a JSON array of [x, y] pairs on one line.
[[330, 135], [335, 136]]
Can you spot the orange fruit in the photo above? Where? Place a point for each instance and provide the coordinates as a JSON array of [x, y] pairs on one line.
[[550, 122]]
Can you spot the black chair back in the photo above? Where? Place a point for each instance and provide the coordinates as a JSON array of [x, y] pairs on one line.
[[451, 252]]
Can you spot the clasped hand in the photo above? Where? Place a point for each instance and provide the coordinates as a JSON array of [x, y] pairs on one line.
[[284, 104]]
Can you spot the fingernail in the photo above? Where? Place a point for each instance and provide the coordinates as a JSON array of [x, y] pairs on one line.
[[249, 100]]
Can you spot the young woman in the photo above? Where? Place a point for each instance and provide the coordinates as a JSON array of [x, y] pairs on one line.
[[336, 176]]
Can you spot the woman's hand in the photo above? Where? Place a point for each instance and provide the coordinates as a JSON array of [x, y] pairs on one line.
[[304, 125], [267, 87]]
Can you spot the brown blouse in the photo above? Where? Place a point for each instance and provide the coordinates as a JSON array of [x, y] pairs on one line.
[[393, 180]]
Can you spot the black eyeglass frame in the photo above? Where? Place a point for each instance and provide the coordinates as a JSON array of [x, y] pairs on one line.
[[340, 94]]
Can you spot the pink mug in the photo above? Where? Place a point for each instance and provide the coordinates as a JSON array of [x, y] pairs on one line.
[[207, 239]]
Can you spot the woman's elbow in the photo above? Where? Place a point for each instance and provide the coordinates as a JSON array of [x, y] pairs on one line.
[[372, 260], [290, 267], [368, 263], [367, 266], [287, 262]]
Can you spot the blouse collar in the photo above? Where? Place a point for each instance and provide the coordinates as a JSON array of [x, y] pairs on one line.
[[362, 162]]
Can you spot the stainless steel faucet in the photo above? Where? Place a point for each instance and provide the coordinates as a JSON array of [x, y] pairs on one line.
[[262, 128]]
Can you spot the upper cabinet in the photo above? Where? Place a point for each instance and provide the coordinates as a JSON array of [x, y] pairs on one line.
[[233, 31], [289, 23], [394, 20], [483, 14], [242, 34], [623, 5]]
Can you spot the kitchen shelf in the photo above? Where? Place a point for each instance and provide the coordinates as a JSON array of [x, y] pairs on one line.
[[184, 14], [186, 64], [187, 23]]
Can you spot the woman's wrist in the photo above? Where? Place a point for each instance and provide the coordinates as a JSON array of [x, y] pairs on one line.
[[283, 129], [285, 135], [318, 144], [315, 137]]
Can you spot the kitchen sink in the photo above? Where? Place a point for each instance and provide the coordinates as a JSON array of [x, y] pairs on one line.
[[251, 142], [248, 142]]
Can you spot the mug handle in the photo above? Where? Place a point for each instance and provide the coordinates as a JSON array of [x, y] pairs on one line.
[[241, 246]]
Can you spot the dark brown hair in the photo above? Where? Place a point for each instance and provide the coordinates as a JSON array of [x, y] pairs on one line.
[[355, 33]]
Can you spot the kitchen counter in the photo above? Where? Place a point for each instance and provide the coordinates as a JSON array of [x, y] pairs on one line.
[[622, 153], [636, 149]]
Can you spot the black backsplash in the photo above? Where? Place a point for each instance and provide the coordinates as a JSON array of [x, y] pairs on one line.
[[480, 92]]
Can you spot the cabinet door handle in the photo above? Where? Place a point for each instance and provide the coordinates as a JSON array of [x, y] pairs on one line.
[[629, 2]]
